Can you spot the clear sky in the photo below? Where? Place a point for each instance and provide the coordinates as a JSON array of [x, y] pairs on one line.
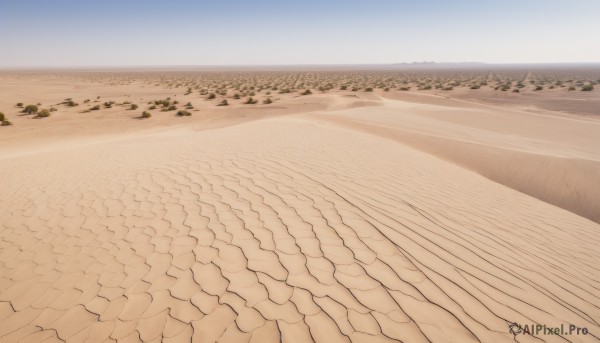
[[262, 32]]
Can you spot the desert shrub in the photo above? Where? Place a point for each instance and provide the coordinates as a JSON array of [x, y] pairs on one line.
[[475, 86], [268, 101], [30, 109], [19, 104], [236, 96], [133, 107], [183, 113], [587, 88], [343, 88], [108, 104], [538, 88], [369, 89], [386, 89], [284, 91], [146, 115], [211, 96], [306, 92], [6, 123], [250, 101], [516, 90], [448, 88], [71, 103], [223, 103], [571, 88], [153, 107], [43, 114], [2, 116], [404, 88], [95, 108]]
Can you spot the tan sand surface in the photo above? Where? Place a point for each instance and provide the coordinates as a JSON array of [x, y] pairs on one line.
[[332, 218]]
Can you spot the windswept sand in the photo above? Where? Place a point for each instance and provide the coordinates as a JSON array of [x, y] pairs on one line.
[[358, 222]]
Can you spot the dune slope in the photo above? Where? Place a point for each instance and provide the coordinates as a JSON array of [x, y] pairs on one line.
[[281, 230]]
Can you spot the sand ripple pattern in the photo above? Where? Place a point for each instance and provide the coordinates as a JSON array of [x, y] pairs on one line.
[[281, 230]]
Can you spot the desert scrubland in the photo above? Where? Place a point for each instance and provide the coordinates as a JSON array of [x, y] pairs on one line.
[[297, 206]]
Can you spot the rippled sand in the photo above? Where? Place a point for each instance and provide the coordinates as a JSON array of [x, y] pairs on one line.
[[283, 229]]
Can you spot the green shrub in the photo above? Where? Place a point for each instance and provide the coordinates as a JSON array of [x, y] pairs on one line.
[[43, 114], [183, 113], [587, 88], [30, 109], [146, 115], [223, 103]]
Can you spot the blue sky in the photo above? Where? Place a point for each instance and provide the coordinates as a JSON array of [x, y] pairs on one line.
[[236, 32]]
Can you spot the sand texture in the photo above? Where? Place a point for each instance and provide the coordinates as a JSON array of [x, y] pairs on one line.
[[355, 222]]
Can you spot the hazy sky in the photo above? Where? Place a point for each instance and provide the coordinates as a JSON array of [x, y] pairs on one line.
[[244, 32]]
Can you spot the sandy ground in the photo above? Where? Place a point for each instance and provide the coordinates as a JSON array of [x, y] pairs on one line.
[[365, 218]]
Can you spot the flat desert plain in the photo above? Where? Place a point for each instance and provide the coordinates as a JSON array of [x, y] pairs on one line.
[[378, 206]]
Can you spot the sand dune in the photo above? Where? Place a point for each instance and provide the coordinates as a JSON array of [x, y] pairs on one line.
[[284, 229], [555, 158]]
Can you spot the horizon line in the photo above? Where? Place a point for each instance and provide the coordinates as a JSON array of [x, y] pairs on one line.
[[393, 64]]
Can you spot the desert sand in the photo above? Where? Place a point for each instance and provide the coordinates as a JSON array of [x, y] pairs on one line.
[[412, 216]]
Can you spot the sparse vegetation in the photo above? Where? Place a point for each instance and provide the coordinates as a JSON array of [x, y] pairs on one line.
[[587, 88], [133, 107], [146, 114], [30, 109], [267, 101], [3, 120], [183, 113], [250, 101], [43, 114], [306, 92], [223, 103], [95, 108]]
